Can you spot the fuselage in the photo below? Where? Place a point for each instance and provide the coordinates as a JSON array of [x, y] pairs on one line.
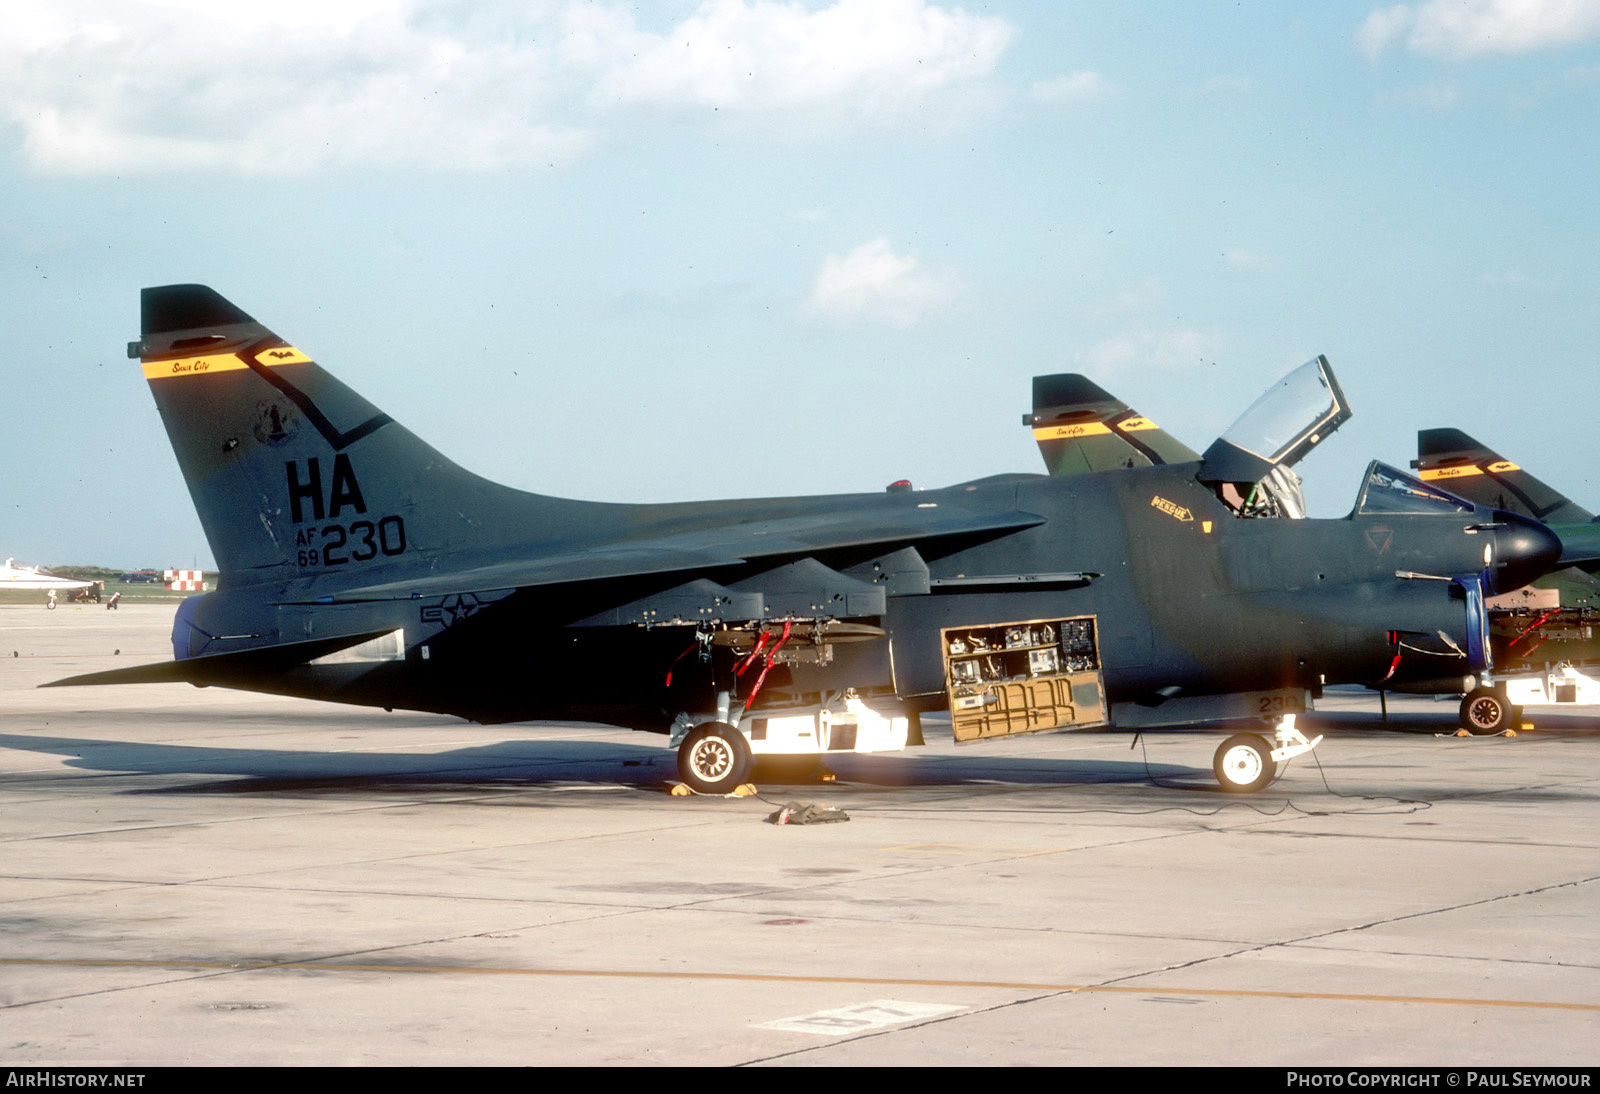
[[1188, 598]]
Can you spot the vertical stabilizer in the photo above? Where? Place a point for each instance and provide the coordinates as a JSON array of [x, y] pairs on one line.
[[293, 474], [1450, 459], [1081, 427]]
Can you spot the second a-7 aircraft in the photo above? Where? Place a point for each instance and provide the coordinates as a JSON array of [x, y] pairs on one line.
[[360, 565]]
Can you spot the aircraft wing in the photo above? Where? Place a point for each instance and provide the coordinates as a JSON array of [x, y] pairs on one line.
[[579, 566], [1081, 427], [702, 549]]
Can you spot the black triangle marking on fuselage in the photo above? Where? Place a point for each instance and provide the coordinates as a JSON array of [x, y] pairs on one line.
[[331, 433]]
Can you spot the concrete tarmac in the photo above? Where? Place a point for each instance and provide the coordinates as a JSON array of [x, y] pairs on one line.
[[205, 877]]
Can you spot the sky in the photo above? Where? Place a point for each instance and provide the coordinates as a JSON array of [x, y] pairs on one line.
[[738, 248]]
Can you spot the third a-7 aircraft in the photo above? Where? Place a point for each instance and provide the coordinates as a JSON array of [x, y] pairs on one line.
[[359, 565]]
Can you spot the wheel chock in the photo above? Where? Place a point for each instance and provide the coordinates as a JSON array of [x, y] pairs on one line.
[[744, 790]]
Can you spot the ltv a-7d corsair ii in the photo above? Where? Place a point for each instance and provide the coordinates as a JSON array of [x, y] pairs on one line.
[[361, 566]]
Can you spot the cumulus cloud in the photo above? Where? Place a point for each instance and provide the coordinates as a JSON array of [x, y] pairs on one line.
[[874, 283], [1458, 29], [1171, 349], [1078, 87], [292, 86], [743, 55], [267, 87]]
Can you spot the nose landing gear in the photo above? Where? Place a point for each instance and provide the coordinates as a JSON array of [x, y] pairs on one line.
[[1246, 763]]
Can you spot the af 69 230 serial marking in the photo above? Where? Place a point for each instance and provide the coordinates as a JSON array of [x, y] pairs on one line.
[[358, 541]]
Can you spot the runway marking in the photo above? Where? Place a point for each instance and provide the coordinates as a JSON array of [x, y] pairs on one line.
[[860, 1018], [777, 978]]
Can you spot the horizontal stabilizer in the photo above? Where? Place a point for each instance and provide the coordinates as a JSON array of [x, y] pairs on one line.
[[162, 672], [222, 668], [1080, 427]]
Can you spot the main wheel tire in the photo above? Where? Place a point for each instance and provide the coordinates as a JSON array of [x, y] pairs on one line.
[[1485, 712], [1244, 764], [715, 759]]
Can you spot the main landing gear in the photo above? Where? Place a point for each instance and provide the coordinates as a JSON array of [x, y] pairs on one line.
[[1246, 763], [715, 759], [1485, 712]]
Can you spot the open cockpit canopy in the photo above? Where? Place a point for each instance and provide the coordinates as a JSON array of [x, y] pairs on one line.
[[1286, 422]]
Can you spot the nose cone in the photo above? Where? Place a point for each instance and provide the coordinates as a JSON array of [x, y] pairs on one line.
[[1524, 551]]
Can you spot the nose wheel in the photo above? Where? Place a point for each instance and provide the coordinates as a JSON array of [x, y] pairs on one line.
[[1246, 763]]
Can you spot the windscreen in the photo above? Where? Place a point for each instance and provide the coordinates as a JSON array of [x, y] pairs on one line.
[[1390, 491]]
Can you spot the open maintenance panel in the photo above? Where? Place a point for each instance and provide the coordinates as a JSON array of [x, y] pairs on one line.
[[1023, 677]]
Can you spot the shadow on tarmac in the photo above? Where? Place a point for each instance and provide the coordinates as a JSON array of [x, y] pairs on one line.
[[530, 763], [554, 762]]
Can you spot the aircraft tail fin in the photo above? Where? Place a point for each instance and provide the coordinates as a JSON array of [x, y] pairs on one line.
[[1081, 427], [1456, 462], [293, 474]]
